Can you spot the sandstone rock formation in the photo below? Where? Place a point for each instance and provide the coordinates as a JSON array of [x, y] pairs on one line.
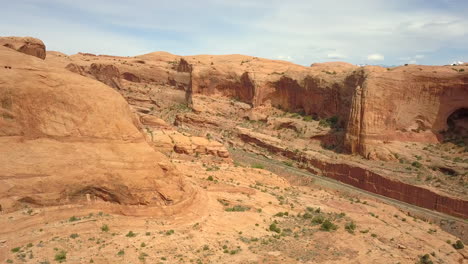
[[358, 97], [167, 140], [411, 104], [66, 138], [26, 45], [370, 111]]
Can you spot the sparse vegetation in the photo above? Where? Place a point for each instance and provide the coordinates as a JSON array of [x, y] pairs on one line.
[[61, 256], [274, 228], [105, 228], [131, 234], [350, 227], [328, 226], [73, 219], [237, 208], [425, 259], [258, 166], [16, 249], [458, 245], [416, 164], [329, 122]]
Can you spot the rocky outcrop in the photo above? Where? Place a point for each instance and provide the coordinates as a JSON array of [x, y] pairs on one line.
[[70, 139], [410, 103], [107, 74], [26, 45], [168, 141]]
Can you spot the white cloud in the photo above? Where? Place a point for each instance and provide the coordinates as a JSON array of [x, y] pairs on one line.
[[306, 30], [282, 57], [375, 57], [336, 56]]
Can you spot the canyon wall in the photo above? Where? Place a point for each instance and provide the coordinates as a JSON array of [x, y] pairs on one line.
[[408, 104], [374, 105]]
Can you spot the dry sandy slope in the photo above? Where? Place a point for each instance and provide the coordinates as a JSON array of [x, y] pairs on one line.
[[211, 234]]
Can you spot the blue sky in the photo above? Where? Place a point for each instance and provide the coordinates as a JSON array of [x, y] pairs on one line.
[[390, 32]]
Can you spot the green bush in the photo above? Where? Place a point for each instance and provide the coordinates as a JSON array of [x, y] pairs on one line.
[[458, 245], [327, 225], [307, 216], [275, 228], [73, 219], [121, 253], [426, 259], [281, 214], [416, 164], [317, 220], [130, 234], [16, 249], [350, 227], [105, 228], [61, 256]]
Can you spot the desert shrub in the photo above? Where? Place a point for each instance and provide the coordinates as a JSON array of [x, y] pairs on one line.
[[130, 234], [350, 227], [317, 220], [73, 236], [61, 256], [416, 164], [73, 219], [307, 216], [281, 214], [458, 245], [275, 228], [426, 259], [16, 249], [105, 228], [121, 253], [327, 225]]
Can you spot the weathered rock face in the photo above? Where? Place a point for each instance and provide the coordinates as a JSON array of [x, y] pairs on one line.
[[105, 73], [405, 104], [375, 105], [362, 178], [66, 138], [26, 45], [165, 139]]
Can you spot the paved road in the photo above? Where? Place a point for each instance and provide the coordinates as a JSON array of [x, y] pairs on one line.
[[451, 224]]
